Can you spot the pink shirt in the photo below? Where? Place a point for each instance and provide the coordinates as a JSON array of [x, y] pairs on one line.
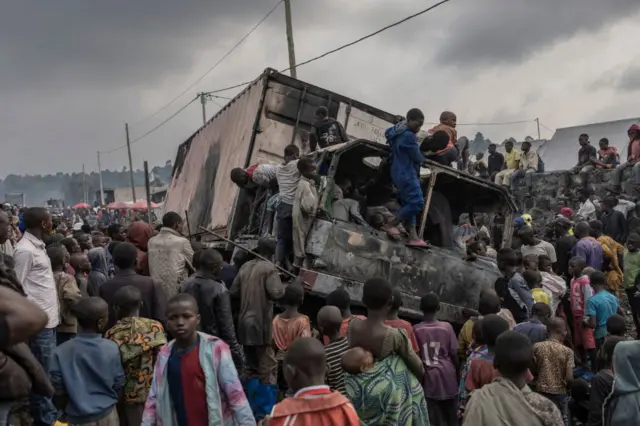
[[581, 291]]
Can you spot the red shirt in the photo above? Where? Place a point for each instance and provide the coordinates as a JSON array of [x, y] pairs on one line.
[[406, 326], [189, 397]]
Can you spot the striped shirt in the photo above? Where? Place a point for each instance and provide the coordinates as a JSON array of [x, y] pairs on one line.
[[335, 373]]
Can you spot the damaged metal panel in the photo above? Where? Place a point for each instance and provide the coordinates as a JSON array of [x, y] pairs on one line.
[[353, 254], [201, 185]]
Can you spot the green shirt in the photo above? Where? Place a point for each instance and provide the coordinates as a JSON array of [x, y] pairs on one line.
[[631, 262]]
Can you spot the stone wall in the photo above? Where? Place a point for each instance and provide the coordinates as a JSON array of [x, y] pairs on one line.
[[547, 196]]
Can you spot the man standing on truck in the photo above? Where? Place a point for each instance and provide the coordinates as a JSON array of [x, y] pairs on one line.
[[288, 177], [326, 130], [405, 160]]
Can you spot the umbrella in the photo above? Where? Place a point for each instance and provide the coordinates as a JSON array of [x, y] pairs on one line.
[[117, 205], [82, 206], [142, 204]]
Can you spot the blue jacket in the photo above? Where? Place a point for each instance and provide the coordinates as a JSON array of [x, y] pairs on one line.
[[405, 158], [87, 369]]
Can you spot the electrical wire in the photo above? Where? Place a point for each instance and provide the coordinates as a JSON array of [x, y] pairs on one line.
[[225, 56], [552, 131], [330, 52], [164, 121]]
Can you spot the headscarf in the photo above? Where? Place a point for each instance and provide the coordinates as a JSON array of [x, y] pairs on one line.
[[622, 406], [139, 234], [99, 270], [527, 219], [566, 212]]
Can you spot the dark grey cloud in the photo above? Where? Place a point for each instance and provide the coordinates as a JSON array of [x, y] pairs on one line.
[[629, 80], [74, 71], [496, 32]]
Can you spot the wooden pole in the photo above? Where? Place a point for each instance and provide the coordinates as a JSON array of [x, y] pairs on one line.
[[291, 48], [148, 190], [133, 187]]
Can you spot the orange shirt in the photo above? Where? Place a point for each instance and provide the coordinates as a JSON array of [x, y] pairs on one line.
[[312, 406]]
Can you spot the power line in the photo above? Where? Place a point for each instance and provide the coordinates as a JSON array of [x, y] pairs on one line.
[[152, 130], [164, 121], [273, 9], [552, 131], [330, 52]]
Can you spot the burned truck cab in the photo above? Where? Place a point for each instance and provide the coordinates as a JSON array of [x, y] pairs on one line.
[[344, 254]]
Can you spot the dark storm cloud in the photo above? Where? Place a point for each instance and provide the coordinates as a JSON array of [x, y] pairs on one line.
[[493, 32], [107, 43], [629, 80]]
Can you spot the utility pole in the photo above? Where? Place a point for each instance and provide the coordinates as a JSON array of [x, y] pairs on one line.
[[148, 191], [292, 51], [84, 185], [538, 123], [203, 101], [101, 187], [133, 187]]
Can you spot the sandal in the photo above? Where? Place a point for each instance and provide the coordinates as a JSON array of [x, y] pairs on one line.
[[417, 243]]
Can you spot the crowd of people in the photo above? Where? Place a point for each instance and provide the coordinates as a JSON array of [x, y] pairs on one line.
[[104, 325]]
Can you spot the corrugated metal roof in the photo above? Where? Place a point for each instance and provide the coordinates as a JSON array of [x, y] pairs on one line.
[[561, 151]]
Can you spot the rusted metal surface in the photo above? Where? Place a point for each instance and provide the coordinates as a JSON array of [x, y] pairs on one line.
[[353, 255], [201, 184]]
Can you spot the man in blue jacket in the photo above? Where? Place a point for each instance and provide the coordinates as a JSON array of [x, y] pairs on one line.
[[405, 161]]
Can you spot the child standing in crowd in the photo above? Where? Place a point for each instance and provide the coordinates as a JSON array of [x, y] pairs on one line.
[[481, 371], [438, 350], [616, 326], [534, 281], [393, 320], [289, 326], [602, 383], [600, 307], [68, 294], [313, 403], [329, 322], [478, 349], [86, 370], [552, 283], [340, 298], [508, 400], [195, 381], [535, 329], [489, 304], [553, 364], [305, 205], [81, 265], [631, 262], [287, 176], [512, 288], [139, 341], [581, 292]]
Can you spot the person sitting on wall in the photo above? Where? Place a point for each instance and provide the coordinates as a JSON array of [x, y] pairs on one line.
[[449, 153], [586, 155], [326, 130], [495, 162], [633, 160], [405, 161], [608, 157], [512, 161], [527, 165]]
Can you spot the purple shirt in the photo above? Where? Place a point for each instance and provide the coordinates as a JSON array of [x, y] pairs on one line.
[[590, 250], [438, 348], [533, 329]]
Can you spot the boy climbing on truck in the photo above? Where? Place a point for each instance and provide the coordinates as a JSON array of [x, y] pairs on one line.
[[405, 159]]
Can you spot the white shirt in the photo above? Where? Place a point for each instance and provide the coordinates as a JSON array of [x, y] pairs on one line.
[[6, 248], [33, 269], [587, 211], [288, 178], [542, 248]]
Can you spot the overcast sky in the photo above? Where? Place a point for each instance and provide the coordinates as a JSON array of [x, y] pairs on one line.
[[73, 72]]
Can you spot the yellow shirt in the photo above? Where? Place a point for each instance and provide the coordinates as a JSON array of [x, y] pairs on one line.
[[539, 296], [512, 158]]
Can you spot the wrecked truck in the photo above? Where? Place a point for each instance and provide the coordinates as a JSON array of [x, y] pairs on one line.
[[339, 254]]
